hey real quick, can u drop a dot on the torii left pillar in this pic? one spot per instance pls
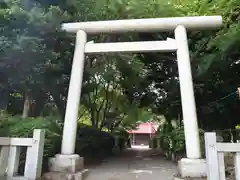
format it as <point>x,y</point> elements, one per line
<point>69,165</point>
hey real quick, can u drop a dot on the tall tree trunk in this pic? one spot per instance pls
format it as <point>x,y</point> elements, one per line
<point>4,97</point>
<point>26,105</point>
<point>40,98</point>
<point>97,118</point>
<point>58,101</point>
<point>92,115</point>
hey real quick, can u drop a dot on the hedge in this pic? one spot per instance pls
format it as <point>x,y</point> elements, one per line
<point>90,142</point>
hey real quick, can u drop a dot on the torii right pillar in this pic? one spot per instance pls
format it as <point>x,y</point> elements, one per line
<point>193,165</point>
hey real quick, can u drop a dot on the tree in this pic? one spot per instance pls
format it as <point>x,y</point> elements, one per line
<point>103,94</point>
<point>36,55</point>
<point>29,36</point>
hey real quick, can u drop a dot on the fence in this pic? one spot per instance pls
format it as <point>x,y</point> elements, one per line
<point>228,135</point>
<point>215,157</point>
<point>10,154</point>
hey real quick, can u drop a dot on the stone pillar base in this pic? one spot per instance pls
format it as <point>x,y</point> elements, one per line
<point>65,176</point>
<point>65,167</point>
<point>66,163</point>
<point>194,168</point>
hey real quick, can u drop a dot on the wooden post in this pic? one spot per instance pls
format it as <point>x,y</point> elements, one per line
<point>237,165</point>
<point>13,160</point>
<point>211,156</point>
<point>221,163</point>
<point>4,154</point>
<point>33,166</point>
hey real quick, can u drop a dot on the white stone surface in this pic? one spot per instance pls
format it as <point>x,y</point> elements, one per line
<point>212,160</point>
<point>34,156</point>
<point>131,47</point>
<point>13,160</point>
<point>187,95</point>
<point>215,157</point>
<point>74,92</point>
<point>144,25</point>
<point>10,152</point>
<point>4,154</point>
<point>195,168</point>
<point>65,176</point>
<point>15,178</point>
<point>66,163</point>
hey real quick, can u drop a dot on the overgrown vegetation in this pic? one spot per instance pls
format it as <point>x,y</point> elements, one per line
<point>171,140</point>
<point>91,143</point>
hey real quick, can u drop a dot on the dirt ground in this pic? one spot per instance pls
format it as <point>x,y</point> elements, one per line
<point>134,164</point>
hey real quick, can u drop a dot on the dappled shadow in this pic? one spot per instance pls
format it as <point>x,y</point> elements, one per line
<point>134,163</point>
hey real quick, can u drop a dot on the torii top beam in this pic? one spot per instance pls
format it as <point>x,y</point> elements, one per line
<point>145,25</point>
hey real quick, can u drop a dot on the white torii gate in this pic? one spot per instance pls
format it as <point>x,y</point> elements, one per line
<point>193,165</point>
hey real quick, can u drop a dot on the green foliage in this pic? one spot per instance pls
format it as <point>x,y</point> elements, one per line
<point>103,93</point>
<point>172,139</point>
<point>237,126</point>
<point>15,126</point>
<point>35,55</point>
<point>153,142</point>
<point>119,89</point>
<point>4,124</point>
<point>121,137</point>
<point>89,140</point>
<point>31,46</point>
<point>18,127</point>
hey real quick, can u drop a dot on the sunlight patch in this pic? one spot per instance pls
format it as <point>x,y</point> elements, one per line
<point>141,171</point>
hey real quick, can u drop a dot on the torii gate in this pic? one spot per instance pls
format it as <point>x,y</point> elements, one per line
<point>193,165</point>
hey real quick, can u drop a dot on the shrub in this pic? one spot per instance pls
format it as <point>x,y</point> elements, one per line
<point>173,142</point>
<point>90,142</point>
<point>122,138</point>
<point>153,142</point>
<point>4,124</point>
<point>15,126</point>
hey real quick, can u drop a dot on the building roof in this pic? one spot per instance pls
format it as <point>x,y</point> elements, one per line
<point>144,128</point>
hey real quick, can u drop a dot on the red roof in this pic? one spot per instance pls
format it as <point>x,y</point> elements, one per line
<point>144,128</point>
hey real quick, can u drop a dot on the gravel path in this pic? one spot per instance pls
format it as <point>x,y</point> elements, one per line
<point>134,164</point>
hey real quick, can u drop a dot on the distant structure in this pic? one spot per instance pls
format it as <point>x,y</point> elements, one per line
<point>143,133</point>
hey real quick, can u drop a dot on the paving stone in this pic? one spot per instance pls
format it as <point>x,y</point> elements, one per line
<point>134,164</point>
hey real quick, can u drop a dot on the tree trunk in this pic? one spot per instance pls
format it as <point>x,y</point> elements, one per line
<point>58,101</point>
<point>40,98</point>
<point>4,96</point>
<point>92,115</point>
<point>97,118</point>
<point>26,106</point>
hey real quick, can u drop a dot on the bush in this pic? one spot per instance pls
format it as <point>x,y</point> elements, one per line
<point>153,142</point>
<point>122,138</point>
<point>173,142</point>
<point>90,142</point>
<point>4,131</point>
<point>15,126</point>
